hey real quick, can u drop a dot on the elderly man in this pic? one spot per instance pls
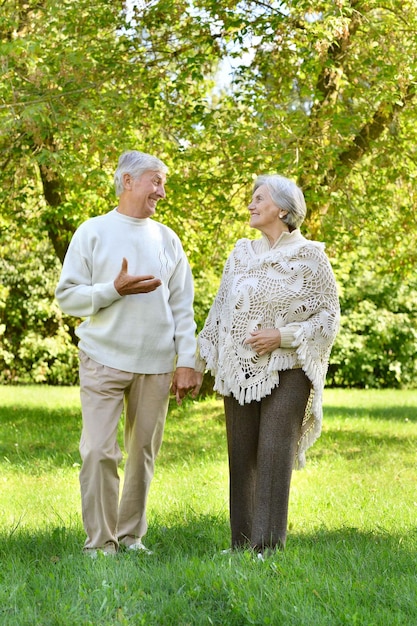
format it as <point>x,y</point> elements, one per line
<point>129,277</point>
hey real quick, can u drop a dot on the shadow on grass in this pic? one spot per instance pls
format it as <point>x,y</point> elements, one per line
<point>45,575</point>
<point>196,535</point>
<point>205,536</point>
<point>36,434</point>
<point>354,444</point>
<point>31,437</point>
<point>390,413</point>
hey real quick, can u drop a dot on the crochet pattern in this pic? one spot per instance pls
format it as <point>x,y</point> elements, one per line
<point>288,286</point>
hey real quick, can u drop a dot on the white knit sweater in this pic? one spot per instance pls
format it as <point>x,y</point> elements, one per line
<point>291,287</point>
<point>148,333</point>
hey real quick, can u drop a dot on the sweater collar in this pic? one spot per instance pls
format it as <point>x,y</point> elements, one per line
<point>133,221</point>
<point>284,240</point>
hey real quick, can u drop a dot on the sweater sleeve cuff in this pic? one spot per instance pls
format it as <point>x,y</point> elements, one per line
<point>104,294</point>
<point>288,334</point>
<point>185,361</point>
<point>200,364</point>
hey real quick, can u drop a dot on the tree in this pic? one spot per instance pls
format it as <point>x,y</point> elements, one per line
<point>323,92</point>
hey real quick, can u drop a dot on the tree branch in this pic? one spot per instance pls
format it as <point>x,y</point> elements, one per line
<point>369,132</point>
<point>327,81</point>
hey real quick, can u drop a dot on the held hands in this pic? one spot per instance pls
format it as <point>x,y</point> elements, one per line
<point>265,340</point>
<point>186,379</point>
<point>125,284</point>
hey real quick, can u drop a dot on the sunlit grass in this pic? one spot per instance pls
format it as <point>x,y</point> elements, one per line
<point>351,554</point>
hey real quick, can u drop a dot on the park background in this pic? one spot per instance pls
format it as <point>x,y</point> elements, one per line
<point>323,92</point>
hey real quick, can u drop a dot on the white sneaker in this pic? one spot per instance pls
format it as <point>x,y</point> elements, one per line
<point>139,547</point>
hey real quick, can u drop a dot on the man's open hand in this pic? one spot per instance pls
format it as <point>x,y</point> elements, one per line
<point>125,284</point>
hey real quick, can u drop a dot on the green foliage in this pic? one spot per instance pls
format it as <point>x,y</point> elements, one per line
<point>35,345</point>
<point>324,94</point>
<point>375,348</point>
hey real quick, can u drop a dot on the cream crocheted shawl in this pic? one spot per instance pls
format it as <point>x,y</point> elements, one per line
<point>290,286</point>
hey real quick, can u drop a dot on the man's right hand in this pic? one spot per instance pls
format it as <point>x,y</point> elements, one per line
<point>125,284</point>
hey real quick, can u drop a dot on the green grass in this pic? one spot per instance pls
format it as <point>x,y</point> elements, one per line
<point>351,556</point>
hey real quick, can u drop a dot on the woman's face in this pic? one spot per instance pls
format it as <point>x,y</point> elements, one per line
<point>264,213</point>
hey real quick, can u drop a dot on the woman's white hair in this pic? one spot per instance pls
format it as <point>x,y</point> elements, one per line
<point>287,196</point>
<point>136,163</point>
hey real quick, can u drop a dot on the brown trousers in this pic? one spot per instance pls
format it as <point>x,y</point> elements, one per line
<point>262,442</point>
<point>104,393</point>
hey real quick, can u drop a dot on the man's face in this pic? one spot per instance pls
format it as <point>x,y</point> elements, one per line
<point>144,192</point>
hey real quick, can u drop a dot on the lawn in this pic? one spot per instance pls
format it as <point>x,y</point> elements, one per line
<point>351,556</point>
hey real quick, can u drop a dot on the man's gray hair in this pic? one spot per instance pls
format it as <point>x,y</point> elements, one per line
<point>287,196</point>
<point>136,163</point>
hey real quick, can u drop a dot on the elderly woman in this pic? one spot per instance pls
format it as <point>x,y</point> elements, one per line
<point>267,342</point>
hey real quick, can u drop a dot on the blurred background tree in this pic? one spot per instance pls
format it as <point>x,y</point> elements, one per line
<point>323,92</point>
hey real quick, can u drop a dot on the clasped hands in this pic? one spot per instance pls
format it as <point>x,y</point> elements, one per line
<point>186,380</point>
<point>265,340</point>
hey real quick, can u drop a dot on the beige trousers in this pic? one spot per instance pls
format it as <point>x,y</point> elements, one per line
<point>104,393</point>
